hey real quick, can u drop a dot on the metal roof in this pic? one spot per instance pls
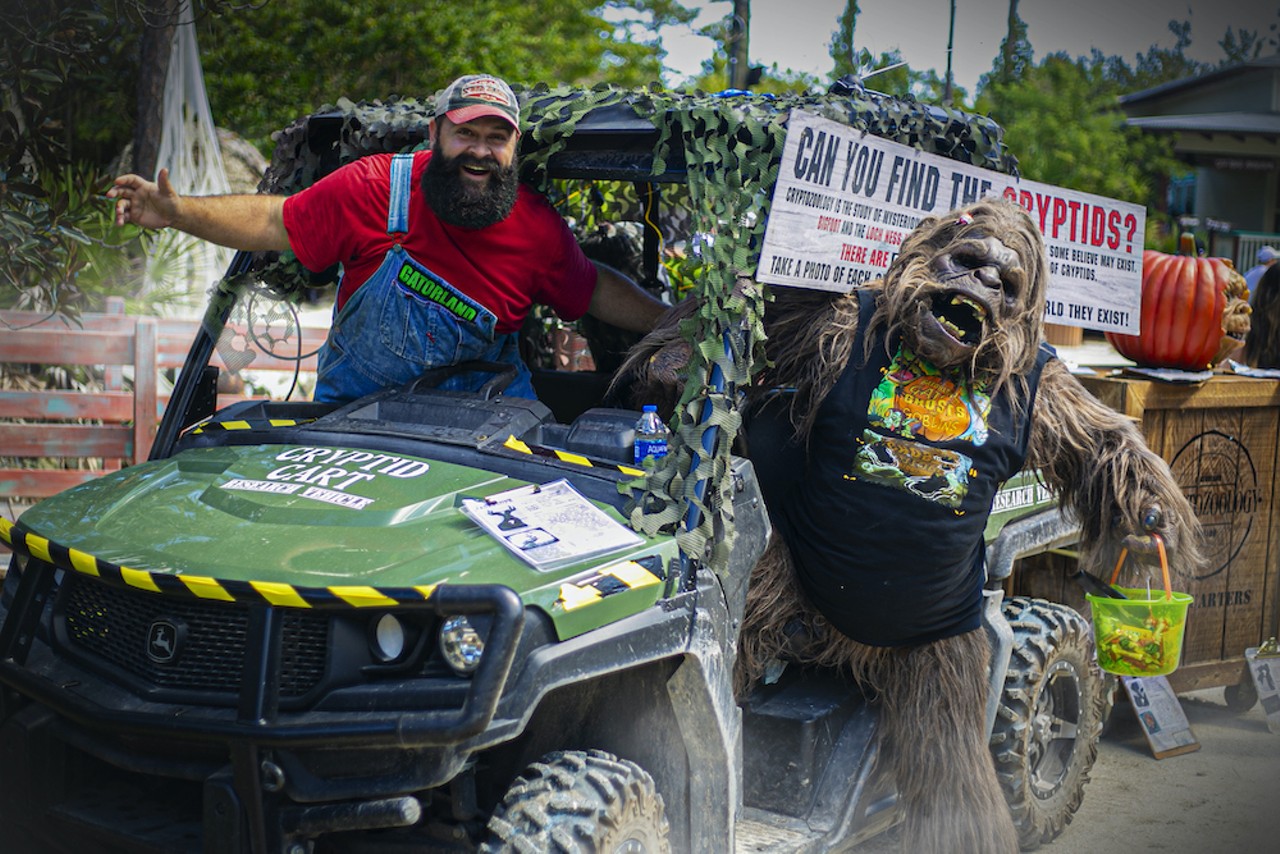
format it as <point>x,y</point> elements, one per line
<point>1134,98</point>
<point>1211,123</point>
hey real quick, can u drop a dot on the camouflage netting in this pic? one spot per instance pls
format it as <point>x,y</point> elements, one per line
<point>731,147</point>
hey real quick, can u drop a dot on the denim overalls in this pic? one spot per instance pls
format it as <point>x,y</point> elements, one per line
<point>405,320</point>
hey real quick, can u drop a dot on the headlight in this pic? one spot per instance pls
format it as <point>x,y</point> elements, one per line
<point>387,639</point>
<point>461,645</point>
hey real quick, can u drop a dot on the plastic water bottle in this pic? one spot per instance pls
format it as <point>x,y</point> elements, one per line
<point>651,435</point>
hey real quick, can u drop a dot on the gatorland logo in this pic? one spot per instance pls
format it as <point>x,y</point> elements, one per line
<point>1217,474</point>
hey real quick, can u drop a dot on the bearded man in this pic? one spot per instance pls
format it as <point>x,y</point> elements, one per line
<point>443,252</point>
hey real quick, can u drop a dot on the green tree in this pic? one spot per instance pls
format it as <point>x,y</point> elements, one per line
<point>1065,127</point>
<point>714,74</point>
<point>48,213</point>
<point>888,72</point>
<point>1015,51</point>
<point>714,77</point>
<point>843,42</point>
<point>264,67</point>
<point>1156,66</point>
<point>1062,117</point>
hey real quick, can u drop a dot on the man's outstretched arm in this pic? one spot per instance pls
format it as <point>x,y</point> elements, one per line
<point>249,222</point>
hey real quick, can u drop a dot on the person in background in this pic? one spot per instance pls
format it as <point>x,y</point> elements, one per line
<point>1267,256</point>
<point>1262,346</point>
<point>443,252</point>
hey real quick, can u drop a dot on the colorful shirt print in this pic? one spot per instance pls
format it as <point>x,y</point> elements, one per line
<point>919,405</point>
<point>917,401</point>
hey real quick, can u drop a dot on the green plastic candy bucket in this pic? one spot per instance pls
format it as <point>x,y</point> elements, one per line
<point>1142,634</point>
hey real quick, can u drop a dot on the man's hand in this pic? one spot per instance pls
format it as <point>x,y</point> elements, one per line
<point>249,222</point>
<point>149,204</point>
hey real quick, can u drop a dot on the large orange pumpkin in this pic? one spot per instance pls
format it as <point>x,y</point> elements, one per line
<point>1185,307</point>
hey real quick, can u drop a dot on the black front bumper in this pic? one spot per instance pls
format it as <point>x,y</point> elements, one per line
<point>81,750</point>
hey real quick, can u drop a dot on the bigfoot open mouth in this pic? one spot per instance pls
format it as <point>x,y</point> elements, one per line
<point>960,316</point>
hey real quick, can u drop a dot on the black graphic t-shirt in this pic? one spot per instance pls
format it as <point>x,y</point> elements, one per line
<point>886,523</point>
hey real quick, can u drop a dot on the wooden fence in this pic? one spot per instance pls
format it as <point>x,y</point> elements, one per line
<point>112,425</point>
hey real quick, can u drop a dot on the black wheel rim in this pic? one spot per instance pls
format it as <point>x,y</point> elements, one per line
<point>1055,725</point>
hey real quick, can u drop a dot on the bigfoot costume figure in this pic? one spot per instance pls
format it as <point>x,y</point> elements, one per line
<point>880,432</point>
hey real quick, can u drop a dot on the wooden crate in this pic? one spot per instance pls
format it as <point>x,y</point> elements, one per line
<point>1222,440</point>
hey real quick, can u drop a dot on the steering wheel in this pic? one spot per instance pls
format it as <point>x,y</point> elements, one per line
<point>504,374</point>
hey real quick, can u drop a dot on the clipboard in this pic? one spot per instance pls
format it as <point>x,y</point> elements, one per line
<point>1264,668</point>
<point>1163,721</point>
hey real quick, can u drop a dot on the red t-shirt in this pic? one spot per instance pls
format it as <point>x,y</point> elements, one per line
<point>530,257</point>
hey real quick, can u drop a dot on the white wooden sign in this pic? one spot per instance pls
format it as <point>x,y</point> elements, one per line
<point>845,200</point>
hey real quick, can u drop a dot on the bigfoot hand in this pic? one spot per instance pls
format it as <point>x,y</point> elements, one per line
<point>1152,525</point>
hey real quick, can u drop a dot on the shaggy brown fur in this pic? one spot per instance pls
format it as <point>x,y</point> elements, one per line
<point>1262,347</point>
<point>933,707</point>
<point>934,695</point>
<point>1096,461</point>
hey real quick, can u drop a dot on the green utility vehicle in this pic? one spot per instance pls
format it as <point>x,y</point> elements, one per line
<point>285,634</point>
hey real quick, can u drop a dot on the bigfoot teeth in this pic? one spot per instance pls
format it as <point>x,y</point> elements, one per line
<point>960,316</point>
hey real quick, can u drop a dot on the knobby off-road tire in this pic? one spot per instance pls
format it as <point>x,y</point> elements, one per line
<point>580,801</point>
<point>1045,738</point>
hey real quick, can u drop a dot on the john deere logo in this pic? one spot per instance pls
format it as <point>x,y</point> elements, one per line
<point>163,640</point>
<point>1218,477</point>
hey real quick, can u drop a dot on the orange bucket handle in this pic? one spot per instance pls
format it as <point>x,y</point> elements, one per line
<point>1164,565</point>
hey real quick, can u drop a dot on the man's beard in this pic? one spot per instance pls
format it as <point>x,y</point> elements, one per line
<point>458,201</point>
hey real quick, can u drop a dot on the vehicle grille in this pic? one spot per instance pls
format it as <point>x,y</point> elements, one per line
<point>112,624</point>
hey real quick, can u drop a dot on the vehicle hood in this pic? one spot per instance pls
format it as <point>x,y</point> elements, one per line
<point>298,516</point>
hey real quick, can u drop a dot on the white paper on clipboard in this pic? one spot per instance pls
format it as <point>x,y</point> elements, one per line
<point>1265,670</point>
<point>549,525</point>
<point>1163,721</point>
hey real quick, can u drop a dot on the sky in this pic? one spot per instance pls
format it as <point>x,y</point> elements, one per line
<point>796,34</point>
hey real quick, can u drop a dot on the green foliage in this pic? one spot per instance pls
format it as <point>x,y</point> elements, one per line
<point>901,80</point>
<point>773,81</point>
<point>59,74</point>
<point>1063,119</point>
<point>46,208</point>
<point>68,81</point>
<point>266,66</point>
<point>888,72</point>
<point>1068,130</point>
<point>1015,54</point>
<point>842,42</point>
<point>1158,65</point>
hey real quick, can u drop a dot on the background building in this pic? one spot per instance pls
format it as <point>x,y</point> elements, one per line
<point>1225,124</point>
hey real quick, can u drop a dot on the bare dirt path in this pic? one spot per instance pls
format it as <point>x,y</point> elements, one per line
<point>1225,797</point>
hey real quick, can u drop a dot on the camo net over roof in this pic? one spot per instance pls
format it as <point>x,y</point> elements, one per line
<point>731,146</point>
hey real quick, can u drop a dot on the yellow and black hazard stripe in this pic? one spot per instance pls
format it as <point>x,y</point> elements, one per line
<point>227,426</point>
<point>514,444</point>
<point>210,589</point>
<point>591,587</point>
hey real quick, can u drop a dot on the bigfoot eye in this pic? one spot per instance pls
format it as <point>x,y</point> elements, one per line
<point>984,267</point>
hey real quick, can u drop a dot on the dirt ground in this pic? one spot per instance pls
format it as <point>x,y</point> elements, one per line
<point>1225,797</point>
